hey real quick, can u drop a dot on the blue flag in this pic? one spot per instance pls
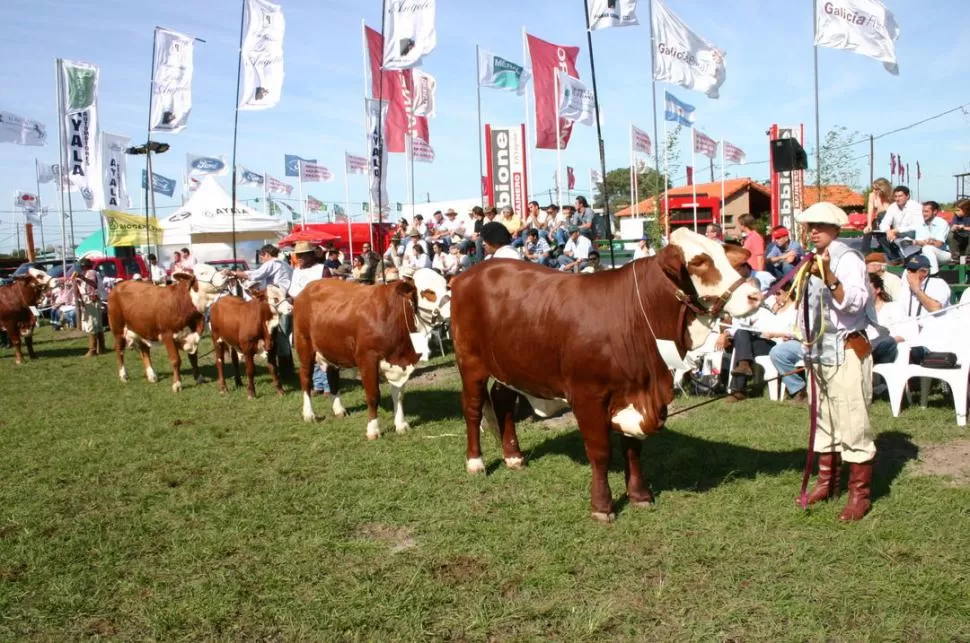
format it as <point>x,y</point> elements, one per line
<point>293,166</point>
<point>677,111</point>
<point>247,177</point>
<point>160,184</point>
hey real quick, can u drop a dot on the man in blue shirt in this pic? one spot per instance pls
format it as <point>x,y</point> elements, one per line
<point>931,237</point>
<point>783,254</point>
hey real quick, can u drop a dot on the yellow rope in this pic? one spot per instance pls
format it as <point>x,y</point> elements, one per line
<point>798,290</point>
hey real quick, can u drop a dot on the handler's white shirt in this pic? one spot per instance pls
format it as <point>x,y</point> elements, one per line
<point>302,277</point>
<point>505,252</point>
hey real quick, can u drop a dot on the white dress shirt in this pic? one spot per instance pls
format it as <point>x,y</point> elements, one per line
<point>505,252</point>
<point>272,273</point>
<point>906,219</point>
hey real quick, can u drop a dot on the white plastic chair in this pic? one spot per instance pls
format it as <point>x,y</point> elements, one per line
<point>896,375</point>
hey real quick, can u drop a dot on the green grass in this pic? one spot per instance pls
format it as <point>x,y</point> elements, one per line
<point>128,510</point>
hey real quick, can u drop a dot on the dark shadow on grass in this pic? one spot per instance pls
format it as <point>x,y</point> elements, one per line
<point>893,450</point>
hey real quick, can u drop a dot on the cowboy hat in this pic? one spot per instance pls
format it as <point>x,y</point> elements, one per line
<point>823,212</point>
<point>302,247</point>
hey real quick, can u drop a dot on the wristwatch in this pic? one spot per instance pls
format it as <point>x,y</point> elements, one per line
<point>834,285</point>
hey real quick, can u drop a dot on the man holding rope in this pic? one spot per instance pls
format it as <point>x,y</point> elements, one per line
<point>841,362</point>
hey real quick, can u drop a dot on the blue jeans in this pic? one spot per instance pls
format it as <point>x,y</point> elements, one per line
<point>60,318</point>
<point>884,350</point>
<point>784,356</point>
<point>320,382</point>
<point>561,235</point>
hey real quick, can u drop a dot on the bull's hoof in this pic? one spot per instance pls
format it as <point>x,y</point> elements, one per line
<point>402,428</point>
<point>223,390</point>
<point>123,374</point>
<point>474,466</point>
<point>279,392</point>
<point>309,417</point>
<point>151,376</point>
<point>373,436</point>
<point>603,517</point>
<point>250,396</point>
<point>18,362</point>
<point>373,430</point>
<point>176,387</point>
<point>515,464</point>
<point>642,504</point>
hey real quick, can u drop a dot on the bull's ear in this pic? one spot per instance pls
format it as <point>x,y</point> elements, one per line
<point>671,260</point>
<point>737,255</point>
<point>405,288</point>
<point>258,294</point>
<point>702,267</point>
<point>190,281</point>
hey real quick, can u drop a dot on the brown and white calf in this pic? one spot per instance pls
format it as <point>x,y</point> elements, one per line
<point>141,313</point>
<point>246,327</point>
<point>16,318</point>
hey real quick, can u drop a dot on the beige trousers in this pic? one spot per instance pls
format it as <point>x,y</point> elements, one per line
<point>844,396</point>
<point>91,318</point>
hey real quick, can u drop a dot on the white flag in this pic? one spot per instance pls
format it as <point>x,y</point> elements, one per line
<point>206,165</point>
<point>45,172</point>
<point>273,184</point>
<point>409,34</point>
<point>378,163</point>
<point>424,93</point>
<point>684,58</point>
<point>22,131</point>
<point>866,27</point>
<point>79,109</point>
<point>612,13</point>
<point>171,81</point>
<point>262,55</point>
<point>640,140</point>
<point>356,164</point>
<point>115,192</point>
<point>575,100</point>
<point>421,151</point>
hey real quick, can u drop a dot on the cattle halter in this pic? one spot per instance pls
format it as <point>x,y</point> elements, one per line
<point>708,306</point>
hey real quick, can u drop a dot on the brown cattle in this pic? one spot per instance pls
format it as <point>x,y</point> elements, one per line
<point>340,324</point>
<point>16,318</point>
<point>246,327</point>
<point>141,313</point>
<point>589,340</point>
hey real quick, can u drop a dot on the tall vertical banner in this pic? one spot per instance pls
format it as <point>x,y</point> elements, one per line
<point>397,92</point>
<point>786,187</point>
<point>548,59</point>
<point>115,191</point>
<point>378,161</point>
<point>171,81</point>
<point>262,55</point>
<point>410,33</point>
<point>79,109</point>
<point>505,149</point>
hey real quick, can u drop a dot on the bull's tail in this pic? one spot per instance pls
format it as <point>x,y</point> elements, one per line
<point>489,418</point>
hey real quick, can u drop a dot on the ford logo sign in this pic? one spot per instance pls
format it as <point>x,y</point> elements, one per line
<point>208,165</point>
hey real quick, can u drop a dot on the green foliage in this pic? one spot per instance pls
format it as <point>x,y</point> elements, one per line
<point>839,164</point>
<point>132,512</point>
<point>649,181</point>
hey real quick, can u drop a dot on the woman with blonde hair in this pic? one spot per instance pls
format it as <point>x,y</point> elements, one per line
<point>880,198</point>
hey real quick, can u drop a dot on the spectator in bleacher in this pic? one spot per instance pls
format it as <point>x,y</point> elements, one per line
<point>752,241</point>
<point>931,236</point>
<point>474,233</point>
<point>454,228</point>
<point>155,271</point>
<point>536,249</point>
<point>584,218</point>
<point>188,260</point>
<point>511,221</point>
<point>419,258</point>
<point>783,254</point>
<point>593,263</point>
<point>959,239</point>
<point>891,323</point>
<point>922,294</point>
<point>437,231</point>
<point>491,214</point>
<point>414,239</point>
<point>714,232</point>
<point>575,253</point>
<point>332,262</point>
<point>63,310</point>
<point>558,225</point>
<point>900,222</point>
<point>497,241</point>
<point>785,356</point>
<point>464,257</point>
<point>419,226</point>
<point>764,279</point>
<point>880,198</point>
<point>643,248</point>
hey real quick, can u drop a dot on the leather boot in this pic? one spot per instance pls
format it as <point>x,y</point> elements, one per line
<point>860,477</point>
<point>101,348</point>
<point>92,346</point>
<point>829,477</point>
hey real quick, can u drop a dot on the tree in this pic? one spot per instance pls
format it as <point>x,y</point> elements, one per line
<point>838,164</point>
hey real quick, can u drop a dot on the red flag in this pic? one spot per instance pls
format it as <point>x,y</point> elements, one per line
<point>909,177</point>
<point>547,59</point>
<point>900,170</point>
<point>919,172</point>
<point>570,178</point>
<point>892,165</point>
<point>484,186</point>
<point>690,175</point>
<point>398,91</point>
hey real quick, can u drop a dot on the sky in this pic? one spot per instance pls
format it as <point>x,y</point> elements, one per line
<point>768,46</point>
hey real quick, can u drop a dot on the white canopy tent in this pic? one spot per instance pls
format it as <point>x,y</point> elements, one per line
<point>205,224</point>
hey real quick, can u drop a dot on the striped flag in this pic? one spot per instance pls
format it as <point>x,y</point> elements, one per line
<point>314,173</point>
<point>678,111</point>
<point>275,185</point>
<point>704,144</point>
<point>355,164</point>
<point>641,140</point>
<point>732,153</point>
<point>313,204</point>
<point>421,151</point>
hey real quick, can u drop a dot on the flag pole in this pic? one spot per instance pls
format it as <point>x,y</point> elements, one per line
<point>40,208</point>
<point>666,203</point>
<point>693,165</point>
<point>530,143</point>
<point>555,83</point>
<point>350,237</point>
<point>633,198</point>
<point>409,156</point>
<point>61,157</point>
<point>478,90</point>
<point>653,90</point>
<point>380,143</point>
<point>818,136</point>
<point>235,126</point>
<point>265,193</point>
<point>299,169</point>
<point>370,204</point>
<point>149,180</point>
<point>599,135</point>
<point>721,217</point>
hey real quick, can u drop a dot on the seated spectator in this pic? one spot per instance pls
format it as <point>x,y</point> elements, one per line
<point>419,227</point>
<point>752,241</point>
<point>419,258</point>
<point>922,294</point>
<point>959,239</point>
<point>593,263</point>
<point>931,235</point>
<point>643,249</point>
<point>332,262</point>
<point>583,217</point>
<point>902,218</point>
<point>783,254</point>
<point>511,221</point>
<point>785,356</point>
<point>763,278</point>
<point>64,309</point>
<point>714,232</point>
<point>891,324</point>
<point>536,249</point>
<point>359,270</point>
<point>575,253</point>
<point>497,241</point>
<point>438,257</point>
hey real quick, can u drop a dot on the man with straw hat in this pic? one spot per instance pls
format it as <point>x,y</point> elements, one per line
<point>308,269</point>
<point>840,355</point>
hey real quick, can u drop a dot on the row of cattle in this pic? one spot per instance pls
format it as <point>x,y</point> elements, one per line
<point>589,341</point>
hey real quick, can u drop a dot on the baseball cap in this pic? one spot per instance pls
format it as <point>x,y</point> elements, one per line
<point>918,262</point>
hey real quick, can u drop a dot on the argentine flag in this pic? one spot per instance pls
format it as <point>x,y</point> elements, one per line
<point>677,111</point>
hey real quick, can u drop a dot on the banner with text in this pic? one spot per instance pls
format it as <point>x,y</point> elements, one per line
<point>506,154</point>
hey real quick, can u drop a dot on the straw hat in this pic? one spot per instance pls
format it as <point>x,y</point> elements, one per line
<point>823,212</point>
<point>302,247</point>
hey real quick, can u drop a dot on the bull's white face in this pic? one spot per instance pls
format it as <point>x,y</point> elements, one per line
<point>433,297</point>
<point>275,297</point>
<point>712,273</point>
<point>41,277</point>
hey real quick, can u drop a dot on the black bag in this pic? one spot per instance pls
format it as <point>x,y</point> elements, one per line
<point>939,360</point>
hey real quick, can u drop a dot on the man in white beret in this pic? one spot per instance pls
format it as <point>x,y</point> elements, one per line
<point>842,363</point>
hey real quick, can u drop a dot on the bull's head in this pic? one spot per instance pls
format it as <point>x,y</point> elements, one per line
<point>36,281</point>
<point>713,273</point>
<point>434,300</point>
<point>202,296</point>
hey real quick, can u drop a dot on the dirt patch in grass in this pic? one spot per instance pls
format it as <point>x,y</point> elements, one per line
<point>460,569</point>
<point>100,627</point>
<point>430,375</point>
<point>397,538</point>
<point>951,459</point>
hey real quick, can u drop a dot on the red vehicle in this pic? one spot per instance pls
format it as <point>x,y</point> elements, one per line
<point>121,267</point>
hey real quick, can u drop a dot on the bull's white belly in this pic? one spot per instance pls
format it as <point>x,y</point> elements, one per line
<point>187,340</point>
<point>543,407</point>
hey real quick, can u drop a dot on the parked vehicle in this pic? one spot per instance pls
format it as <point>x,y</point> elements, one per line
<point>114,268</point>
<point>229,264</point>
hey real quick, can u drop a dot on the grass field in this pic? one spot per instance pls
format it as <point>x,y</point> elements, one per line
<point>126,510</point>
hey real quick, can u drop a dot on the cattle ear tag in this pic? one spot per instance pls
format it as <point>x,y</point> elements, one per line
<point>670,354</point>
<point>420,343</point>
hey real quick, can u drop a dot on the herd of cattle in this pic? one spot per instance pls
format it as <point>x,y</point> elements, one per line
<point>589,341</point>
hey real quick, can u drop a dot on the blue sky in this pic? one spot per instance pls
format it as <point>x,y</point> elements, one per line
<point>769,80</point>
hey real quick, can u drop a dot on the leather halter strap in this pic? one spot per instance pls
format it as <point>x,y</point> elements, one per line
<point>708,306</point>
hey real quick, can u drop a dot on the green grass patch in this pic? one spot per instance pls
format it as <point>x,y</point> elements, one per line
<point>128,510</point>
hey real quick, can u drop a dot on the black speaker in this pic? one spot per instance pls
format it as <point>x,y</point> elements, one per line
<point>787,155</point>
